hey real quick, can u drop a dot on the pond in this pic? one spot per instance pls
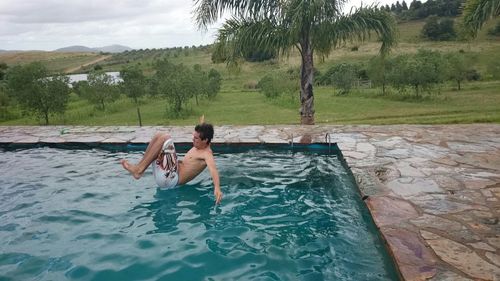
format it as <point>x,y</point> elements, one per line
<point>83,77</point>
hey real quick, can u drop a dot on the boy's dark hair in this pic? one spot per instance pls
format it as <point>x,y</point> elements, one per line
<point>206,131</point>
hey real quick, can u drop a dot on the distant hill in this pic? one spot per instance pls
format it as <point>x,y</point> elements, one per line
<point>114,49</point>
<point>107,49</point>
<point>76,49</point>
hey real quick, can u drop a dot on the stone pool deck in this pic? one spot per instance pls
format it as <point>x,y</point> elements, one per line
<point>433,191</point>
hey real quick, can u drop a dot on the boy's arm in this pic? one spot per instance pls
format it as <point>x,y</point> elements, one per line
<point>212,168</point>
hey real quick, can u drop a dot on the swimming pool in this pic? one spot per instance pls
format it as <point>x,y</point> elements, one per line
<point>75,214</point>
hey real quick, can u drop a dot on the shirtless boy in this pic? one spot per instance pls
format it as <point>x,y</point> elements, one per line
<point>168,171</point>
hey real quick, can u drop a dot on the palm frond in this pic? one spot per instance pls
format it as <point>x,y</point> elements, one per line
<point>357,25</point>
<point>242,35</point>
<point>207,12</point>
<point>477,12</point>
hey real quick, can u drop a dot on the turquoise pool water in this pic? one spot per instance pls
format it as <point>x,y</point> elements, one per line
<point>75,214</point>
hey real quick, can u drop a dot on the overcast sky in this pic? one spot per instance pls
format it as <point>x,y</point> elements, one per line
<point>52,24</point>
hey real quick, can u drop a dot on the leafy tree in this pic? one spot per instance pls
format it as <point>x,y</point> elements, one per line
<point>199,85</point>
<point>100,89</point>
<point>342,76</point>
<point>415,4</point>
<point>79,86</point>
<point>275,85</point>
<point>442,8</point>
<point>214,83</point>
<point>431,28</point>
<point>4,102</point>
<point>458,67</point>
<point>477,12</point>
<point>4,97</point>
<point>378,71</point>
<point>422,71</point>
<point>436,28</point>
<point>134,86</point>
<point>3,70</point>
<point>173,82</point>
<point>36,92</point>
<point>310,26</point>
<point>404,6</point>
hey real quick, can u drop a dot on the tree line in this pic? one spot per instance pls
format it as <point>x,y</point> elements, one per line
<point>41,94</point>
<point>421,10</point>
<point>419,73</point>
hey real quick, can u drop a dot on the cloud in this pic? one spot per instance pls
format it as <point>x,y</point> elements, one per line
<point>52,24</point>
<point>77,11</point>
<point>59,23</point>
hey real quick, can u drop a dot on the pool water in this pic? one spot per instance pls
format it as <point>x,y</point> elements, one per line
<point>76,214</point>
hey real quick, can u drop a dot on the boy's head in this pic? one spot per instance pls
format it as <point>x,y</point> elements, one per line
<point>206,131</point>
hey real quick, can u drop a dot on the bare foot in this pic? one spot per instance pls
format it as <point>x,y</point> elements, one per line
<point>131,168</point>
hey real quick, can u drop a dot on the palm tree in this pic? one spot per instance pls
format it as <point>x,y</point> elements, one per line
<point>477,12</point>
<point>280,25</point>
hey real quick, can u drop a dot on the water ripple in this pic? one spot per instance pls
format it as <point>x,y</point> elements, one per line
<point>285,216</point>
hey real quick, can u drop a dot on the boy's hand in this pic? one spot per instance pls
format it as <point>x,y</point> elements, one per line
<point>218,195</point>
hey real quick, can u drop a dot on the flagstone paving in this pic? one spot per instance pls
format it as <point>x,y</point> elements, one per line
<point>433,191</point>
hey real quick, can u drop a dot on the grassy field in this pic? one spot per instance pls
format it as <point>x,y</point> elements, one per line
<point>476,102</point>
<point>54,61</point>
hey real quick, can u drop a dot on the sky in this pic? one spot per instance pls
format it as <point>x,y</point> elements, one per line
<point>51,24</point>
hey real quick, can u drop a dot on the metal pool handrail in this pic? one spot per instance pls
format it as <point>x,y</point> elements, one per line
<point>329,140</point>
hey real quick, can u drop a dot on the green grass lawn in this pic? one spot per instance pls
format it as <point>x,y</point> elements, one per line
<point>477,102</point>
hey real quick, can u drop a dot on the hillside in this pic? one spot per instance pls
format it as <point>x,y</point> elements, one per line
<point>76,48</point>
<point>409,41</point>
<point>106,49</point>
<point>239,103</point>
<point>55,61</point>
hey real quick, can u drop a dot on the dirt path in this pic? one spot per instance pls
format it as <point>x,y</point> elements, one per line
<point>73,69</point>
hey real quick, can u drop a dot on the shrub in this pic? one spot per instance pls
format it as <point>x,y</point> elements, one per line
<point>269,86</point>
<point>439,29</point>
<point>259,55</point>
<point>495,31</point>
<point>422,71</point>
<point>273,86</point>
<point>250,85</point>
<point>342,76</point>
<point>472,75</point>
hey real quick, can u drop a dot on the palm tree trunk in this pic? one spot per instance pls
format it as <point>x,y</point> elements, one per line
<point>306,85</point>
